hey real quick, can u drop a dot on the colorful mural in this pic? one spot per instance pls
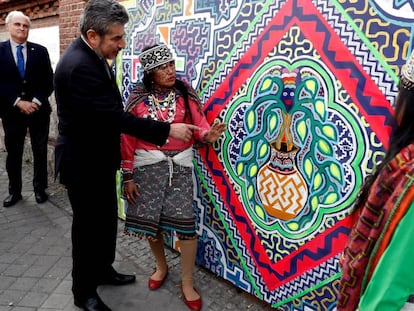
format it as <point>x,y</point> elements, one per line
<point>307,89</point>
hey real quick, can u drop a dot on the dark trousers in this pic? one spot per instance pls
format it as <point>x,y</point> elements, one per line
<point>15,130</point>
<point>94,230</point>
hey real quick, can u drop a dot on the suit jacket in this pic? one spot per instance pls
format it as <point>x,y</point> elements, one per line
<point>38,80</point>
<point>92,117</point>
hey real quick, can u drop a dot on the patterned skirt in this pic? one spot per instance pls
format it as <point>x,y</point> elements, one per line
<point>161,205</point>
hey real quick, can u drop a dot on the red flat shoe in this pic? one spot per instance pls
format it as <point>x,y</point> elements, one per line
<point>154,284</point>
<point>194,305</point>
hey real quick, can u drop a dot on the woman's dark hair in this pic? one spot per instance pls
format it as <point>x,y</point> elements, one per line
<point>401,136</point>
<point>179,85</point>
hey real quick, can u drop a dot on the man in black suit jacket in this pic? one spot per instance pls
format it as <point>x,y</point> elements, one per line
<point>91,119</point>
<point>24,105</point>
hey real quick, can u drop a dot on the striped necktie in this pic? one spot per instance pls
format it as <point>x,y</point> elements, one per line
<point>20,60</point>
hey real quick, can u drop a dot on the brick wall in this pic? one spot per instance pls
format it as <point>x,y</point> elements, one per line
<point>69,15</point>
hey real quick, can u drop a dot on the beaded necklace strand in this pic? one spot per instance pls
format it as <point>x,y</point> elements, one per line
<point>157,107</point>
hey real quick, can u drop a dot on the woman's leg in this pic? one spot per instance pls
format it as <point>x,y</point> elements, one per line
<point>188,250</point>
<point>157,248</point>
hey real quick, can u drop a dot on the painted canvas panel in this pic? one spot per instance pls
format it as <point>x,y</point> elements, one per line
<point>307,90</point>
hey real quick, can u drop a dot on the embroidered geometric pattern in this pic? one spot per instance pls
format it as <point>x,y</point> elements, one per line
<point>155,57</point>
<point>300,74</point>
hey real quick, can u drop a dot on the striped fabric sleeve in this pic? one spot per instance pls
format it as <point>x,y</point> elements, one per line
<point>392,281</point>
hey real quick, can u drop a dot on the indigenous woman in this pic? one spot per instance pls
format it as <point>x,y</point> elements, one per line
<point>378,261</point>
<point>158,182</point>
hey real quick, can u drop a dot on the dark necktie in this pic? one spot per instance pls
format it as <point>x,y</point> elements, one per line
<point>20,60</point>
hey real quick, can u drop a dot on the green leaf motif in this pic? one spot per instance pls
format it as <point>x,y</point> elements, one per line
<point>260,212</point>
<point>324,147</point>
<point>247,147</point>
<point>331,198</point>
<point>266,85</point>
<point>263,151</point>
<point>335,171</point>
<point>320,108</point>
<point>253,170</point>
<point>311,86</point>
<point>329,132</point>
<point>293,226</point>
<point>239,169</point>
<point>272,123</point>
<point>250,192</point>
<point>302,130</point>
<point>317,181</point>
<point>308,168</point>
<point>314,203</point>
<point>251,120</point>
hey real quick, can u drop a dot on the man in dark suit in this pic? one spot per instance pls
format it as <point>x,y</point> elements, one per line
<point>91,119</point>
<point>26,82</point>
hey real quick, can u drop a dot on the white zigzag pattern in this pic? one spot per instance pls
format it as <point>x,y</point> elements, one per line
<point>361,52</point>
<point>230,224</point>
<point>225,70</point>
<point>306,280</point>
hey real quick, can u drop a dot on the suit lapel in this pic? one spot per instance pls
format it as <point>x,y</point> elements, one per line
<point>9,57</point>
<point>30,55</point>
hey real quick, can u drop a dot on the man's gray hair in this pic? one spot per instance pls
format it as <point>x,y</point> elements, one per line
<point>12,14</point>
<point>100,15</point>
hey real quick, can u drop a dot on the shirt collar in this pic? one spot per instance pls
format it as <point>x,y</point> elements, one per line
<point>14,44</point>
<point>86,42</point>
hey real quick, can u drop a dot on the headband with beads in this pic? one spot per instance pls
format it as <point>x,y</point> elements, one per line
<point>154,57</point>
<point>407,76</point>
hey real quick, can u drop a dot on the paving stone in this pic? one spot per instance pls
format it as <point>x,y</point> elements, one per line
<point>46,285</point>
<point>35,247</point>
<point>36,271</point>
<point>6,281</point>
<point>8,257</point>
<point>33,299</point>
<point>24,283</point>
<point>57,301</point>
<point>11,297</point>
<point>15,270</point>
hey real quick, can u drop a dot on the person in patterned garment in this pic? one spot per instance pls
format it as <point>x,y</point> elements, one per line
<point>158,181</point>
<point>378,260</point>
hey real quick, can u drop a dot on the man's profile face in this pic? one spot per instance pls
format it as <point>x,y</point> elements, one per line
<point>113,42</point>
<point>19,29</point>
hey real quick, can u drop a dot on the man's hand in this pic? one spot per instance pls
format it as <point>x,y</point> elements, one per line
<point>27,107</point>
<point>183,131</point>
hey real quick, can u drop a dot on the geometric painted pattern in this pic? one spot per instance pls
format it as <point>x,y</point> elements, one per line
<point>307,89</point>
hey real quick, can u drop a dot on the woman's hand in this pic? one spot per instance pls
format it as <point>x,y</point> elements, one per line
<point>215,131</point>
<point>131,191</point>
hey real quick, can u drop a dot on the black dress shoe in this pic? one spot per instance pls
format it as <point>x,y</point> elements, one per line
<point>41,196</point>
<point>92,304</point>
<point>12,199</point>
<point>118,279</point>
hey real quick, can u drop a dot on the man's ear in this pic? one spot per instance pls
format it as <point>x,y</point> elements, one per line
<point>93,38</point>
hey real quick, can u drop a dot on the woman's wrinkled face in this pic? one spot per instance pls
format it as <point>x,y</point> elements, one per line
<point>164,76</point>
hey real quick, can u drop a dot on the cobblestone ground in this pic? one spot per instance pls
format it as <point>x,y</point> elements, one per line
<point>221,294</point>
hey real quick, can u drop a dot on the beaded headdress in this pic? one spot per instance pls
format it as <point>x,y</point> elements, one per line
<point>154,57</point>
<point>407,77</point>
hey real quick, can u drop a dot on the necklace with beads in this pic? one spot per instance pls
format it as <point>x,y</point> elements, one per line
<point>157,107</point>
